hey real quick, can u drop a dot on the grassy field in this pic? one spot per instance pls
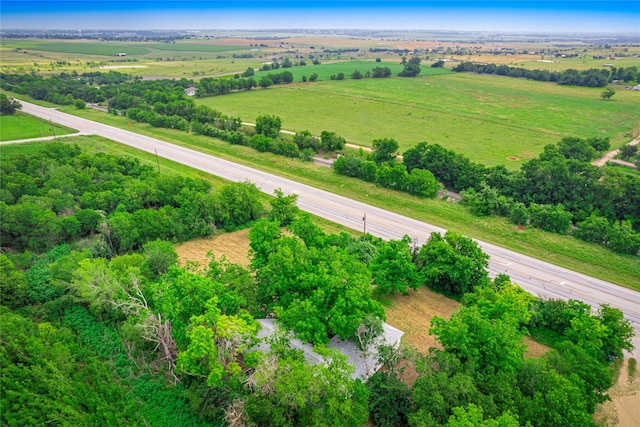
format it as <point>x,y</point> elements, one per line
<point>487,118</point>
<point>83,47</point>
<point>565,251</point>
<point>326,70</point>
<point>24,126</point>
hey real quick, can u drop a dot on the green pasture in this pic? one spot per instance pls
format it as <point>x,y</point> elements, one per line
<point>78,47</point>
<point>487,118</point>
<point>326,70</point>
<point>24,126</point>
<point>565,251</point>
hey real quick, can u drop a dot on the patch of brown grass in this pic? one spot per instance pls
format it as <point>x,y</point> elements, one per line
<point>534,348</point>
<point>234,246</point>
<point>413,313</point>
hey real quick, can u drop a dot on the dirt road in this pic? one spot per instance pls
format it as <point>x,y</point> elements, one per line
<point>611,154</point>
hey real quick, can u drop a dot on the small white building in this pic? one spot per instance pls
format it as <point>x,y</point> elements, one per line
<point>190,91</point>
<point>363,369</point>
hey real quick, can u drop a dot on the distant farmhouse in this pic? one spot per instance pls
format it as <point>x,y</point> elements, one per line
<point>363,368</point>
<point>190,91</point>
<point>121,54</point>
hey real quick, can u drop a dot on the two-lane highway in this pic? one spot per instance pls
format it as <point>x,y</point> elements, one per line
<point>538,277</point>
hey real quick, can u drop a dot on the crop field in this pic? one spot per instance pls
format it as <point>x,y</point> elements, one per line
<point>24,126</point>
<point>487,118</point>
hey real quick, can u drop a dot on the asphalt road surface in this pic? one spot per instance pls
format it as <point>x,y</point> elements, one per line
<point>537,277</point>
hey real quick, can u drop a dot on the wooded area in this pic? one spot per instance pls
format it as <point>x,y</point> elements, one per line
<point>101,326</point>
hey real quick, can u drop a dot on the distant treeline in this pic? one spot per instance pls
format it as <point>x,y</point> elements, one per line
<point>593,77</point>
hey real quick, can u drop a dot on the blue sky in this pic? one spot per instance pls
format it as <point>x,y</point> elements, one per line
<point>514,15</point>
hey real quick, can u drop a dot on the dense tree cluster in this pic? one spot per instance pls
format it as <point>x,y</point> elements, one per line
<point>61,194</point>
<point>594,77</point>
<point>411,67</point>
<point>64,88</point>
<point>139,340</point>
<point>560,191</point>
<point>480,376</point>
<point>387,173</point>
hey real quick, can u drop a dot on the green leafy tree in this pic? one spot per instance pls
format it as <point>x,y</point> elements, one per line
<point>384,150</point>
<point>283,208</point>
<point>392,268</point>
<point>330,141</point>
<point>627,151</point>
<point>160,256</point>
<point>577,148</point>
<point>392,176</point>
<point>607,93</point>
<point>8,106</point>
<point>411,67</point>
<point>389,400</point>
<point>623,239</point>
<point>519,214</point>
<point>268,126</point>
<point>554,218</point>
<point>549,398</point>
<point>249,72</point>
<point>594,229</point>
<point>13,286</point>
<point>452,264</point>
<point>264,238</point>
<point>473,416</point>
<point>292,392</point>
<point>216,345</point>
<point>80,104</point>
<point>237,204</point>
<point>488,345</point>
<point>304,139</point>
<point>421,182</point>
<point>619,332</point>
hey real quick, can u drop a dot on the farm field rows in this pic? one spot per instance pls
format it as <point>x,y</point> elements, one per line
<point>487,118</point>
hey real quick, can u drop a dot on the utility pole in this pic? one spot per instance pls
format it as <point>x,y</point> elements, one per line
<point>157,160</point>
<point>53,129</point>
<point>364,219</point>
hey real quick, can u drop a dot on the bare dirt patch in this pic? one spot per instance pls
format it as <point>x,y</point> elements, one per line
<point>513,158</point>
<point>234,246</point>
<point>624,408</point>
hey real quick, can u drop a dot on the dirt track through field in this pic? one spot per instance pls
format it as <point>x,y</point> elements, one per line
<point>611,154</point>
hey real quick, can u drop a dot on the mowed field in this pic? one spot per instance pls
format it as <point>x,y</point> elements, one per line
<point>24,126</point>
<point>487,118</point>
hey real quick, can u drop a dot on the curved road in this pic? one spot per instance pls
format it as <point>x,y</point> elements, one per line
<point>537,277</point>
